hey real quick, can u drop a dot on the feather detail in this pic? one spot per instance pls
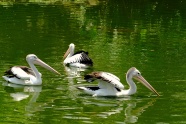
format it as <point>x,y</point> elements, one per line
<point>79,57</point>
<point>12,72</point>
<point>104,77</point>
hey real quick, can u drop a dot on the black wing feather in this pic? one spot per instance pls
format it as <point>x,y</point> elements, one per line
<point>85,59</point>
<point>10,74</point>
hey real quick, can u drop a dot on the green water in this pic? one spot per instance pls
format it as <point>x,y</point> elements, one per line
<point>149,35</point>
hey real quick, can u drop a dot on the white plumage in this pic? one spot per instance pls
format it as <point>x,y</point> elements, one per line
<point>78,59</point>
<point>110,85</point>
<point>27,76</point>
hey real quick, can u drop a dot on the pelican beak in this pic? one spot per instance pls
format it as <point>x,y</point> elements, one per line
<point>43,64</point>
<point>67,52</point>
<point>145,83</point>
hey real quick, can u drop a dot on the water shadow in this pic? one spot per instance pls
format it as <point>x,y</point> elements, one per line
<point>20,93</point>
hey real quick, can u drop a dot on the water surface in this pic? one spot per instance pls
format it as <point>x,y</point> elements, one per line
<point>148,35</point>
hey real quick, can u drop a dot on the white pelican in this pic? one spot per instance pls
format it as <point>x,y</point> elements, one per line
<point>110,85</point>
<point>79,59</point>
<point>27,76</point>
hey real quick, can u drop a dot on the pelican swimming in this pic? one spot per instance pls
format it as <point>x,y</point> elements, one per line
<point>78,59</point>
<point>110,85</point>
<point>27,76</point>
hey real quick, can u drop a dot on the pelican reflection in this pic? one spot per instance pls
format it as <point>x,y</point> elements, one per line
<point>132,108</point>
<point>73,72</point>
<point>21,92</point>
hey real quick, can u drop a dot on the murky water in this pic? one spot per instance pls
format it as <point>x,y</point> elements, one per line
<point>150,36</point>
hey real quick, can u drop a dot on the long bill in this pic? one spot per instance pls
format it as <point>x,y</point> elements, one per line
<point>146,84</point>
<point>67,52</point>
<point>43,64</point>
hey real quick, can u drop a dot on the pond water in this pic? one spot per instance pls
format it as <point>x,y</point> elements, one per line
<point>149,35</point>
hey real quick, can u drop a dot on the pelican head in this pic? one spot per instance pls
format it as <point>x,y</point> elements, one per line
<point>31,58</point>
<point>135,73</point>
<point>70,50</point>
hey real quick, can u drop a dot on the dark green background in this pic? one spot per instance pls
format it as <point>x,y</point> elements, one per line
<point>118,34</point>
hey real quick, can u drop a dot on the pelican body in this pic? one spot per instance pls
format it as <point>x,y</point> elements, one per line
<point>110,85</point>
<point>79,59</point>
<point>27,76</point>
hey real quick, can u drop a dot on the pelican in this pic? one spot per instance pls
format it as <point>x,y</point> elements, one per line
<point>110,85</point>
<point>79,59</point>
<point>27,76</point>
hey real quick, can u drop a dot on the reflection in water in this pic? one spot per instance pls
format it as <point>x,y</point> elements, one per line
<point>106,107</point>
<point>131,111</point>
<point>21,92</point>
<point>75,73</point>
<point>49,2</point>
<point>74,77</point>
<point>18,96</point>
<point>145,34</point>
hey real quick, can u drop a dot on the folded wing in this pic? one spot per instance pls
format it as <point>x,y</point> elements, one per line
<point>80,57</point>
<point>105,80</point>
<point>20,72</point>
